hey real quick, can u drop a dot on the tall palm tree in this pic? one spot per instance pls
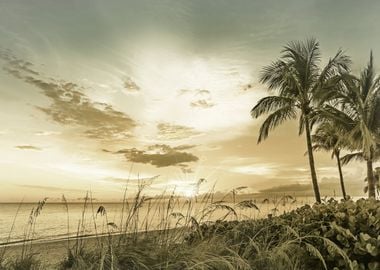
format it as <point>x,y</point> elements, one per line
<point>297,79</point>
<point>327,138</point>
<point>359,117</point>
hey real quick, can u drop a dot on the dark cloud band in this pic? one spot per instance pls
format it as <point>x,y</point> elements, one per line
<point>159,155</point>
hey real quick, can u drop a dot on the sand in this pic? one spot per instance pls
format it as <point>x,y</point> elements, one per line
<point>52,252</point>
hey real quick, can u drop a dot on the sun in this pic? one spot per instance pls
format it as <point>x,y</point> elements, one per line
<point>189,192</point>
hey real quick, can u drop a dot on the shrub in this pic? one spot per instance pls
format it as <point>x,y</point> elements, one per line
<point>346,233</point>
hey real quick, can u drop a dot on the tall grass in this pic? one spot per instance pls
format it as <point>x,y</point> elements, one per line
<point>3,251</point>
<point>26,259</point>
<point>153,234</point>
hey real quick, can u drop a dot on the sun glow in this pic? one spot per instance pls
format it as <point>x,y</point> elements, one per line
<point>189,193</point>
<point>190,84</point>
<point>181,188</point>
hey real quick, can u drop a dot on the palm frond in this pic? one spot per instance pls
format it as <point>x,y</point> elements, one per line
<point>320,147</point>
<point>269,104</point>
<point>342,121</point>
<point>304,57</point>
<point>367,77</point>
<point>351,157</point>
<point>275,75</point>
<point>275,119</point>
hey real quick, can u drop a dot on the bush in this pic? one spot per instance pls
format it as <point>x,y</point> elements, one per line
<point>345,234</point>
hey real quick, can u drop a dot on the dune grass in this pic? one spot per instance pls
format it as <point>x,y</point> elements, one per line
<point>202,233</point>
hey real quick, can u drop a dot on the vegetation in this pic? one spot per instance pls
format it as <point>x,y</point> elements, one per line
<point>332,99</point>
<point>331,235</point>
<point>376,175</point>
<point>201,233</point>
<point>358,117</point>
<point>300,84</point>
<point>328,138</point>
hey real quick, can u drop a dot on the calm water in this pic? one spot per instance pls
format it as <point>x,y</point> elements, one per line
<point>53,219</point>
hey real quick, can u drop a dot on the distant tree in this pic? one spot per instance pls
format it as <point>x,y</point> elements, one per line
<point>359,156</point>
<point>328,138</point>
<point>376,176</point>
<point>299,82</point>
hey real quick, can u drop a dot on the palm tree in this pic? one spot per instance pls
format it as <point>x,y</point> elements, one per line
<point>327,138</point>
<point>359,117</point>
<point>376,175</point>
<point>298,80</point>
<point>359,156</point>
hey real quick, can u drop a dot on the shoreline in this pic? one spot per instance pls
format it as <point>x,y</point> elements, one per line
<point>50,240</point>
<point>50,252</point>
<point>73,238</point>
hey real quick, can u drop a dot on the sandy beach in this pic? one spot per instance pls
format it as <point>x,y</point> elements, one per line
<point>50,252</point>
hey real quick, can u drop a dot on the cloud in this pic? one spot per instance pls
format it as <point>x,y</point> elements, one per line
<point>50,188</point>
<point>258,169</point>
<point>167,131</point>
<point>328,186</point>
<point>184,147</point>
<point>202,103</point>
<point>136,181</point>
<point>70,106</point>
<point>185,168</point>
<point>159,155</point>
<point>28,147</point>
<point>16,66</point>
<point>130,85</point>
<point>288,188</point>
<point>47,133</point>
<point>200,98</point>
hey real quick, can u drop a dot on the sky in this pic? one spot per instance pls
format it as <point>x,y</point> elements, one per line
<point>94,93</point>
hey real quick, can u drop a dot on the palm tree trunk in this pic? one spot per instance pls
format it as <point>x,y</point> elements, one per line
<point>340,175</point>
<point>311,160</point>
<point>371,180</point>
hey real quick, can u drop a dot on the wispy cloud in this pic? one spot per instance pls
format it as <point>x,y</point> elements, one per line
<point>50,188</point>
<point>185,168</point>
<point>28,147</point>
<point>167,131</point>
<point>202,103</point>
<point>288,188</point>
<point>46,133</point>
<point>200,98</point>
<point>256,169</point>
<point>130,85</point>
<point>132,180</point>
<point>70,106</point>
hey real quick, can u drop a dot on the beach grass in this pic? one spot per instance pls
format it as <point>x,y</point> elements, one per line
<point>204,233</point>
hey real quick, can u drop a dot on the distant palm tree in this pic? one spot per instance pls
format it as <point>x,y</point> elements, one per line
<point>359,156</point>
<point>376,175</point>
<point>298,81</point>
<point>359,117</point>
<point>328,138</point>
